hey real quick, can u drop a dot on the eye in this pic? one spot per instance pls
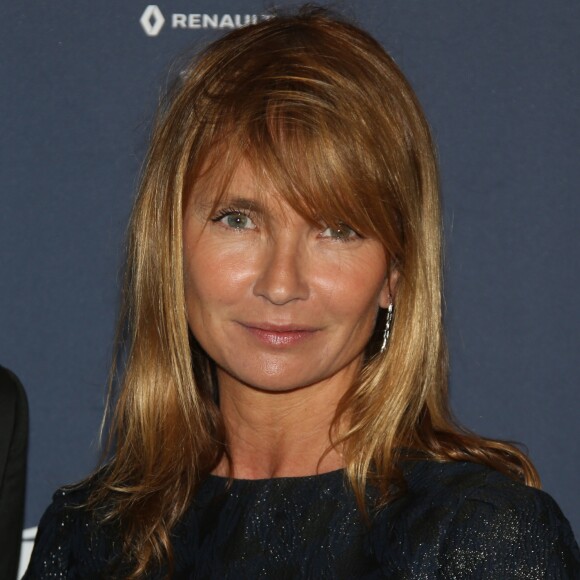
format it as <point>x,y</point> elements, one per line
<point>235,220</point>
<point>342,233</point>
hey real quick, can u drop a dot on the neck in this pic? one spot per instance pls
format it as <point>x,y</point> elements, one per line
<point>279,434</point>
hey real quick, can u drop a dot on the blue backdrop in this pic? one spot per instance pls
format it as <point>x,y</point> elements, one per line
<point>499,81</point>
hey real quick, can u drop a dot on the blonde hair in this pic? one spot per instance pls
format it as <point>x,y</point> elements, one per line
<point>323,114</point>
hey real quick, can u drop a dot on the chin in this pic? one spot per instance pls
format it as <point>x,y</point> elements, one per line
<point>272,380</point>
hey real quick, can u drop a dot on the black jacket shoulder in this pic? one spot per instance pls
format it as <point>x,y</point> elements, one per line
<point>13,450</point>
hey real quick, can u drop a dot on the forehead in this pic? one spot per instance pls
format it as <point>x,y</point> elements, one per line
<point>243,187</point>
<point>318,189</point>
<point>216,183</point>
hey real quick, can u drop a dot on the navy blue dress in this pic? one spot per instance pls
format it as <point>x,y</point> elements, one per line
<point>456,521</point>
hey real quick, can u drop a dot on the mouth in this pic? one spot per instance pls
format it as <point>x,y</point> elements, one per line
<point>279,335</point>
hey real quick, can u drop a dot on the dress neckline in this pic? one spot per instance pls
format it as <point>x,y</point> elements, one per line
<point>327,475</point>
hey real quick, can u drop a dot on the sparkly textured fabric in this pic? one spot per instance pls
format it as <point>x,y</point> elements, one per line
<point>456,521</point>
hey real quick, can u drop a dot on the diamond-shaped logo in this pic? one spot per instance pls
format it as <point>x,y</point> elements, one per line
<point>152,20</point>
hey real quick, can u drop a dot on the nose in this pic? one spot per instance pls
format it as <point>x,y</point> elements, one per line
<point>282,275</point>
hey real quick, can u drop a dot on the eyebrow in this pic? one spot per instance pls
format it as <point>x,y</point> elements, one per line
<point>253,205</point>
<point>237,202</point>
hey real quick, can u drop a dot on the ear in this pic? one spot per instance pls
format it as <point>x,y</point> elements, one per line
<point>389,289</point>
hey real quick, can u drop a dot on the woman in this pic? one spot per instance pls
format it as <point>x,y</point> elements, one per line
<point>275,417</point>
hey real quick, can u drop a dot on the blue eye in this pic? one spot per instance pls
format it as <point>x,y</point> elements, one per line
<point>343,233</point>
<point>236,220</point>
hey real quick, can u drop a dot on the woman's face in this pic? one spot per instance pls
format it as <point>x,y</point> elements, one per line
<point>275,301</point>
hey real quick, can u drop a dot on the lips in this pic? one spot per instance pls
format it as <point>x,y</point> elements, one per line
<point>279,335</point>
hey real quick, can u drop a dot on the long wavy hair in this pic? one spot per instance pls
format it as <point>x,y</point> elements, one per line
<point>323,113</point>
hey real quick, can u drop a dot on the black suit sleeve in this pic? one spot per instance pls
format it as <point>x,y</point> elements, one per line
<point>13,448</point>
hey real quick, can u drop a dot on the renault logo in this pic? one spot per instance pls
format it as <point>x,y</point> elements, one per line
<point>152,20</point>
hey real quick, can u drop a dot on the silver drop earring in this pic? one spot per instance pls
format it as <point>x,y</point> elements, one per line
<point>388,324</point>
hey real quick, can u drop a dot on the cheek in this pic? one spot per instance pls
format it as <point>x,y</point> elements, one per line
<point>354,286</point>
<point>214,275</point>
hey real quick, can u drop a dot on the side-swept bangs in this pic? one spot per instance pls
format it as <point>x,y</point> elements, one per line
<point>321,118</point>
